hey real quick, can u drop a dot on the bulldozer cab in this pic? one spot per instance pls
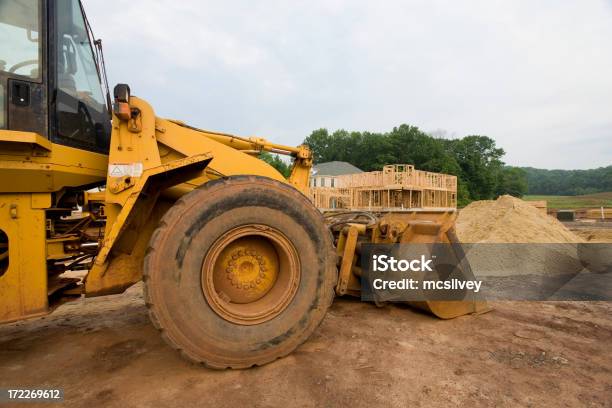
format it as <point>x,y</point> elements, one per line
<point>50,74</point>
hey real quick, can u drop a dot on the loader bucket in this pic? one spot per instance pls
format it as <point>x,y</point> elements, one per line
<point>415,226</point>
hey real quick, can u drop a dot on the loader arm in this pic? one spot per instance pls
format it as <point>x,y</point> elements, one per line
<point>302,163</point>
<point>152,159</point>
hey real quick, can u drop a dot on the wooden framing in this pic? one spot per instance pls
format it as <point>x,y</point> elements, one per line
<point>397,186</point>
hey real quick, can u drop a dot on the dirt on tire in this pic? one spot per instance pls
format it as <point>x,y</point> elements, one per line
<point>173,269</point>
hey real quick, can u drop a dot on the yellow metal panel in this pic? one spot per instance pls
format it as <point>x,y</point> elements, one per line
<point>41,200</point>
<point>34,139</point>
<point>23,287</point>
<point>25,169</point>
<point>55,249</point>
<point>123,269</point>
<point>91,196</point>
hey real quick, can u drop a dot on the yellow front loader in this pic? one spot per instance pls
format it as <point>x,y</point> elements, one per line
<point>238,266</point>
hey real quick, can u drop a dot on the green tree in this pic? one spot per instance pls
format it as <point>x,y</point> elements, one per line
<point>463,193</point>
<point>412,146</point>
<point>480,162</point>
<point>319,143</point>
<point>513,181</point>
<point>276,162</point>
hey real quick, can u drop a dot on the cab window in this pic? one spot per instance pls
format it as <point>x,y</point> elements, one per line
<point>19,45</point>
<point>82,118</point>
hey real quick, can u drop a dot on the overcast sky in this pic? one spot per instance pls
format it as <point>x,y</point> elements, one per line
<point>534,75</point>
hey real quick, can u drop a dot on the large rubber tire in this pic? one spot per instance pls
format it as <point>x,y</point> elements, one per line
<point>174,261</point>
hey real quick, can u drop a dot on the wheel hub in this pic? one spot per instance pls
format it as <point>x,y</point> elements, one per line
<point>251,267</point>
<point>250,274</point>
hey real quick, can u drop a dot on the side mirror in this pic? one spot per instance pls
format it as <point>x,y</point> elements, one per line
<point>121,107</point>
<point>122,93</point>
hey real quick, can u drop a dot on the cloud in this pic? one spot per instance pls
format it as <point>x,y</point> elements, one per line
<point>532,75</point>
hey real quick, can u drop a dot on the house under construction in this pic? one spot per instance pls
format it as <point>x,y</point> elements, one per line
<point>397,186</point>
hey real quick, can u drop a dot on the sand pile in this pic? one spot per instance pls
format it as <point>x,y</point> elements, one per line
<point>528,255</point>
<point>514,271</point>
<point>596,235</point>
<point>512,220</point>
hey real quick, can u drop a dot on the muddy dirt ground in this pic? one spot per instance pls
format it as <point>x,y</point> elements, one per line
<point>104,352</point>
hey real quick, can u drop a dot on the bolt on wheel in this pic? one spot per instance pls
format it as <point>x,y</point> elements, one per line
<point>250,274</point>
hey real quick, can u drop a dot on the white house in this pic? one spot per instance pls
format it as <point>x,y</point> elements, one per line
<point>325,174</point>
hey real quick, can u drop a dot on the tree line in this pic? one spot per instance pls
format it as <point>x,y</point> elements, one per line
<point>476,160</point>
<point>569,182</point>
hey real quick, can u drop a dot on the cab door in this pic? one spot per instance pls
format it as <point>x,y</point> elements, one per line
<point>23,96</point>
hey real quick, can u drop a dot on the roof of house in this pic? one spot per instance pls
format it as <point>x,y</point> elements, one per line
<point>334,168</point>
